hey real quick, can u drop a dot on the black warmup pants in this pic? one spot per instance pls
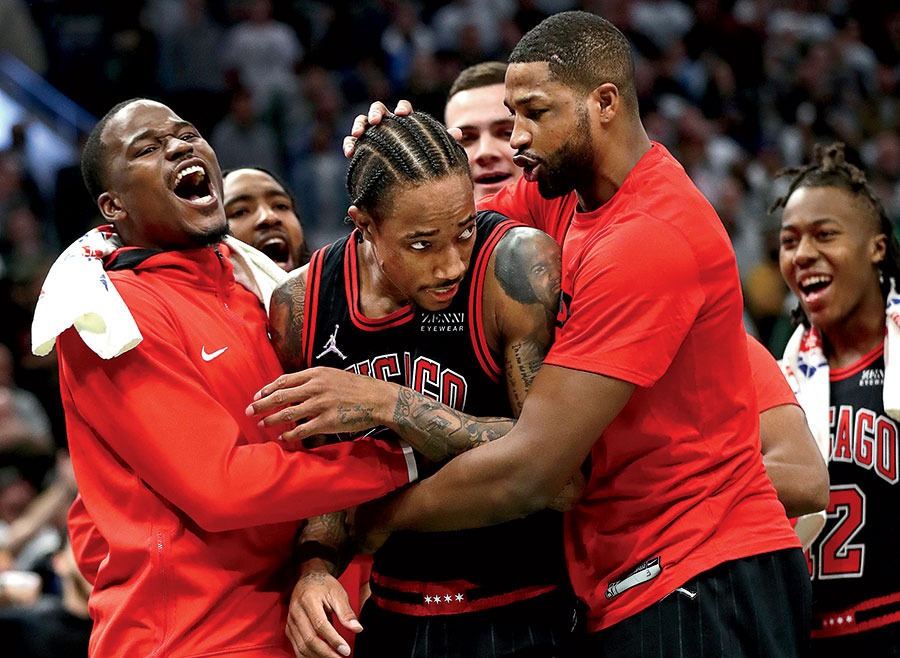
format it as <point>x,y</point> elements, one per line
<point>757,607</point>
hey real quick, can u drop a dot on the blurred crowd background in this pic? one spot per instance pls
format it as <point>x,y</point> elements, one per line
<point>737,90</point>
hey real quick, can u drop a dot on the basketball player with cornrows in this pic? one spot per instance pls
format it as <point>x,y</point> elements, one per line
<point>431,325</point>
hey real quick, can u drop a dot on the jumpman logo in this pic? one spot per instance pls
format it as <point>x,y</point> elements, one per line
<point>331,346</point>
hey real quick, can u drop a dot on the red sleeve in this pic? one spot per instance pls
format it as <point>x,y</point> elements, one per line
<point>772,389</point>
<point>88,546</point>
<point>630,307</point>
<point>152,410</point>
<point>522,202</point>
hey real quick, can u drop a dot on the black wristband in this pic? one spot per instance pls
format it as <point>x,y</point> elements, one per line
<point>311,549</point>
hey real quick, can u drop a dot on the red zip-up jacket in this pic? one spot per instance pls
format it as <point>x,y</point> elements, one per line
<point>188,509</point>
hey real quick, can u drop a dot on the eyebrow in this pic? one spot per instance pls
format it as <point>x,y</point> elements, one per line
<point>814,223</point>
<point>524,100</point>
<point>153,132</point>
<point>494,122</point>
<point>429,233</point>
<point>238,199</point>
<point>266,194</point>
<point>420,234</point>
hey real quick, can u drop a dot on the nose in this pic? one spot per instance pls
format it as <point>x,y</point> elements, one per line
<point>267,216</point>
<point>806,251</point>
<point>487,148</point>
<point>452,265</point>
<point>176,147</point>
<point>520,137</point>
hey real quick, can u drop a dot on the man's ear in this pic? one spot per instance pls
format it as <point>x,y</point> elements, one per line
<point>110,207</point>
<point>879,248</point>
<point>363,221</point>
<point>605,101</point>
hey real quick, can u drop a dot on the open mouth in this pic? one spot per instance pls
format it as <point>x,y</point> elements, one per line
<point>445,291</point>
<point>813,284</point>
<point>275,248</point>
<point>492,179</point>
<point>192,184</point>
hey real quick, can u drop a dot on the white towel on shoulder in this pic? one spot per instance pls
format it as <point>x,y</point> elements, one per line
<point>254,270</point>
<point>891,394</point>
<point>77,292</point>
<point>806,369</point>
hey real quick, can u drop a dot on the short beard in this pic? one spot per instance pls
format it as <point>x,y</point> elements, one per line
<point>210,236</point>
<point>570,163</point>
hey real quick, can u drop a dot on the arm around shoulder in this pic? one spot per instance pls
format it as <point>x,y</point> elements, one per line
<point>564,414</point>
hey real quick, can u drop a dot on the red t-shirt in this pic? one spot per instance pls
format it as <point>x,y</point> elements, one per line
<point>651,295</point>
<point>772,389</point>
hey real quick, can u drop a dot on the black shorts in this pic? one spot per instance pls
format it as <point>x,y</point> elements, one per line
<point>756,607</point>
<point>535,628</point>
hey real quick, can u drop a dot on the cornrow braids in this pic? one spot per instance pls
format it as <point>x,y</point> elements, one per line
<point>829,168</point>
<point>401,150</point>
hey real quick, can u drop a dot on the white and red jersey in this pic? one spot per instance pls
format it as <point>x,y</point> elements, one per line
<point>856,583</point>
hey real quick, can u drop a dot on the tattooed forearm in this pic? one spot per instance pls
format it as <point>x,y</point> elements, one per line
<point>355,414</point>
<point>326,537</point>
<point>286,321</point>
<point>440,432</point>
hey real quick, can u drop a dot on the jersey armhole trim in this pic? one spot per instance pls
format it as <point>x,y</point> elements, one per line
<point>489,364</point>
<point>310,304</point>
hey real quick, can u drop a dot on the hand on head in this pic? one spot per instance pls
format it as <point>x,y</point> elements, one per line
<point>376,111</point>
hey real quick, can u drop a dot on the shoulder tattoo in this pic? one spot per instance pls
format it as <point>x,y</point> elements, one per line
<point>286,321</point>
<point>528,267</point>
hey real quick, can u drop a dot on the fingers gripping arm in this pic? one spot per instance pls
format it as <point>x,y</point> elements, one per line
<point>324,549</point>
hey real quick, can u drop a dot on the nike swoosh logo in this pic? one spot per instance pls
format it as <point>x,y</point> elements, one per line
<point>210,356</point>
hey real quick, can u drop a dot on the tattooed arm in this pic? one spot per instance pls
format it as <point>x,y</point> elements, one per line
<point>325,542</point>
<point>286,319</point>
<point>521,296</point>
<point>519,306</point>
<point>520,303</point>
<point>324,549</point>
<point>525,301</point>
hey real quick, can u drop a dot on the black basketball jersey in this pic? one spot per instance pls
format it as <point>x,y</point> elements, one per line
<point>443,355</point>
<point>854,558</point>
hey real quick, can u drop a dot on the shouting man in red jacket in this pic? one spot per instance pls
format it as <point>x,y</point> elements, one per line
<point>188,509</point>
